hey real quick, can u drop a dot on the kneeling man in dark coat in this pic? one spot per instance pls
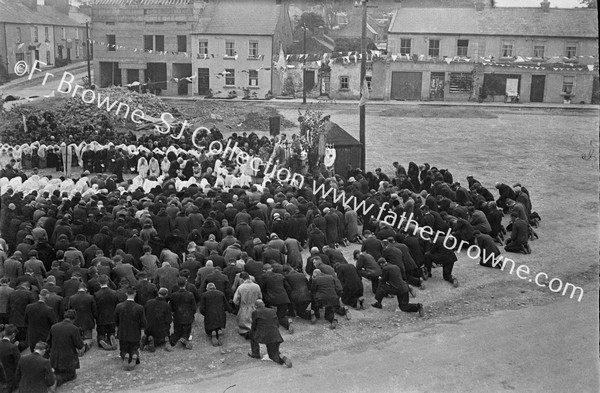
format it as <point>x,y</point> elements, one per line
<point>265,330</point>
<point>34,372</point>
<point>213,305</point>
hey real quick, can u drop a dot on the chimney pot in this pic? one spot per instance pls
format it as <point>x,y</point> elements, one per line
<point>545,6</point>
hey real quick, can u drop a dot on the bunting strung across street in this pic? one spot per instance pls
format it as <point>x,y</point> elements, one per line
<point>353,57</point>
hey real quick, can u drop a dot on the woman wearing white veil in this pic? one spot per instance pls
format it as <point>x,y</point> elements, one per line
<point>165,165</point>
<point>142,167</point>
<point>153,168</point>
<point>42,155</point>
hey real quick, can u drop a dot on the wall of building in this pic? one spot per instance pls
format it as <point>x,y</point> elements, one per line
<point>130,25</point>
<point>481,46</point>
<point>218,64</point>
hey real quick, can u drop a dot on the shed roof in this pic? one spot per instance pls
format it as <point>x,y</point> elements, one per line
<point>244,17</point>
<point>576,22</point>
<point>12,11</point>
<point>337,136</point>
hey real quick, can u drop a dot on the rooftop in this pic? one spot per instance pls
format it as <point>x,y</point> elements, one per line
<point>12,11</point>
<point>243,17</point>
<point>578,22</point>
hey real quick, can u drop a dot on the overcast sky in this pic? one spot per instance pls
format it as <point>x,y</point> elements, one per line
<point>536,3</point>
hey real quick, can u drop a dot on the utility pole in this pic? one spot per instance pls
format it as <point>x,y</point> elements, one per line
<point>363,73</point>
<point>87,47</point>
<point>304,66</point>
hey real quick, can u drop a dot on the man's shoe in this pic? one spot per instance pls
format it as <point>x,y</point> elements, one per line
<point>421,310</point>
<point>106,346</point>
<point>425,274</point>
<point>410,290</point>
<point>214,340</point>
<point>361,303</point>
<point>126,364</point>
<point>188,345</point>
<point>143,342</point>
<point>253,356</point>
<point>151,345</point>
<point>376,305</point>
<point>455,282</point>
<point>113,342</point>
<point>333,324</point>
<point>168,346</point>
<point>290,326</point>
<point>313,317</point>
<point>422,286</point>
<point>527,248</point>
<point>347,314</point>
<point>286,361</point>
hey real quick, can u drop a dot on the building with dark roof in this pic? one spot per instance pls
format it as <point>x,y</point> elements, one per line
<point>235,44</point>
<point>51,33</point>
<point>539,54</point>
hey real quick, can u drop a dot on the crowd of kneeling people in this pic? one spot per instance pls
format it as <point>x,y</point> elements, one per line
<point>135,267</point>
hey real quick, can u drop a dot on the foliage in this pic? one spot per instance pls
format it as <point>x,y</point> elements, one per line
<point>311,20</point>
<point>312,126</point>
<point>590,3</point>
<point>289,88</point>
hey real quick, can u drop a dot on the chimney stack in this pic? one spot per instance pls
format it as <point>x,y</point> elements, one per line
<point>479,5</point>
<point>545,6</point>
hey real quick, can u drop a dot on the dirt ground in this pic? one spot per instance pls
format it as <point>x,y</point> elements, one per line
<point>548,152</point>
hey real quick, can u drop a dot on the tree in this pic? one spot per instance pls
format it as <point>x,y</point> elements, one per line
<point>311,20</point>
<point>590,3</point>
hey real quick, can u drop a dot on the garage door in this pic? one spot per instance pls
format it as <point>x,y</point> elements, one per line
<point>406,85</point>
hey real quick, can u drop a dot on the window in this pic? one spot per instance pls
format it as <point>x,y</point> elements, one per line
<point>460,82</point>
<point>154,42</point>
<point>20,57</point>
<point>181,43</point>
<point>230,77</point>
<point>112,42</point>
<point>77,33</point>
<point>229,48</point>
<point>77,51</point>
<point>35,34</point>
<point>462,48</point>
<point>19,37</point>
<point>369,84</point>
<point>405,46</point>
<point>203,47</point>
<point>48,58</point>
<point>434,48</point>
<point>148,42</point>
<point>567,86</point>
<point>47,34</point>
<point>344,82</point>
<point>159,42</point>
<point>538,51</point>
<point>63,33</point>
<point>507,49</point>
<point>571,49</point>
<point>253,49</point>
<point>110,23</point>
<point>342,19</point>
<point>253,78</point>
<point>369,65</point>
